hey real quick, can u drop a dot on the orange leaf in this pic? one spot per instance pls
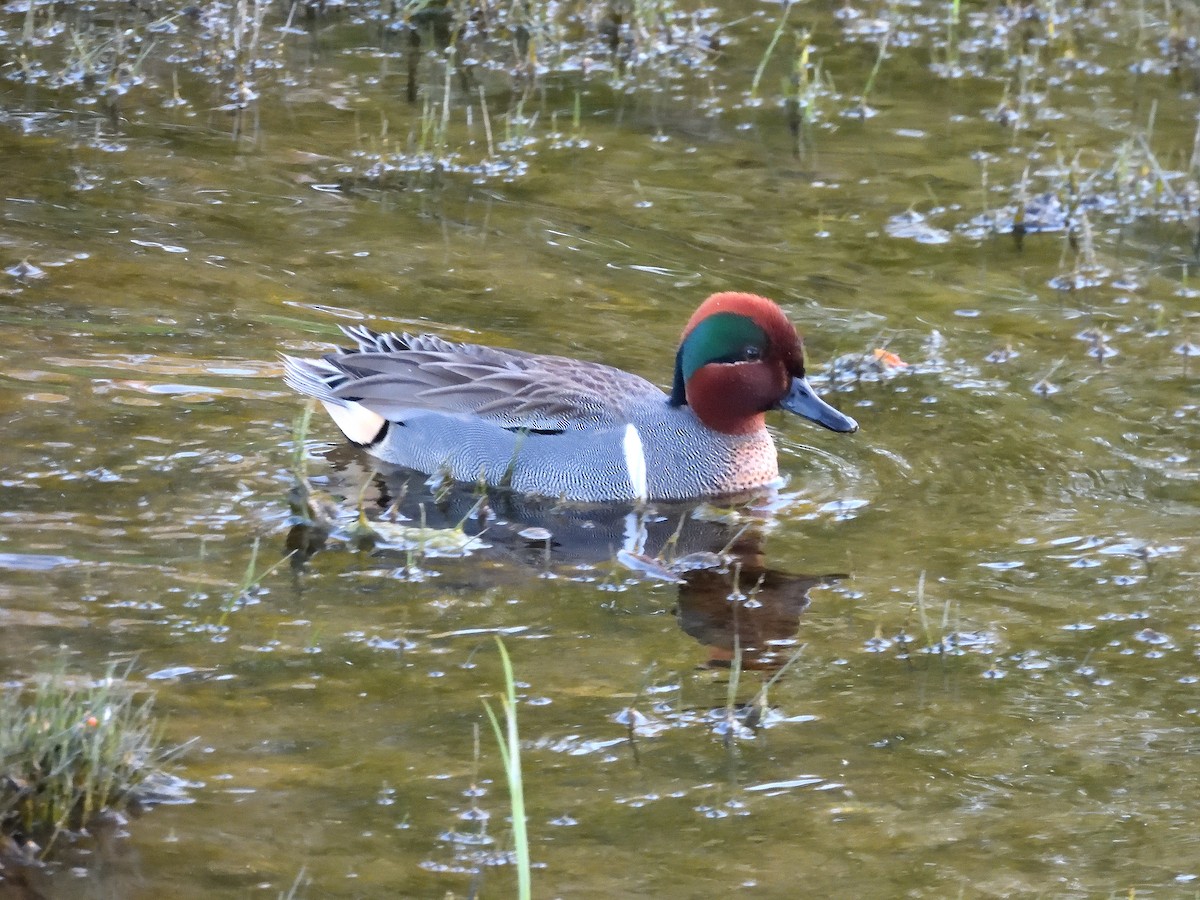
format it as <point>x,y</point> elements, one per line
<point>889,359</point>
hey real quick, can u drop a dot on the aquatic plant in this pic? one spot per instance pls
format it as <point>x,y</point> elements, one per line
<point>466,63</point>
<point>509,741</point>
<point>294,892</point>
<point>247,591</point>
<point>74,749</point>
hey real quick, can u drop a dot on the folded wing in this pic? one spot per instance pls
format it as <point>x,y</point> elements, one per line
<point>396,375</point>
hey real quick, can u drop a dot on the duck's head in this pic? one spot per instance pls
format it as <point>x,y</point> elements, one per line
<point>739,358</point>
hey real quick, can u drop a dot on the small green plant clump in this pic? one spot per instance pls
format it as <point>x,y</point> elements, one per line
<point>71,750</point>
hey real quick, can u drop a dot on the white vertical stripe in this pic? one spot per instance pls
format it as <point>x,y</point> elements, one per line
<point>635,462</point>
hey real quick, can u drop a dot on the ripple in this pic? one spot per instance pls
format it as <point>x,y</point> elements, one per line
<point>35,562</point>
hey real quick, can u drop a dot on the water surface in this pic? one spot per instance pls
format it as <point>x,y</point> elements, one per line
<point>998,694</point>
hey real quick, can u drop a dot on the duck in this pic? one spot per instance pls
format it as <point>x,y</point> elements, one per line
<point>572,430</point>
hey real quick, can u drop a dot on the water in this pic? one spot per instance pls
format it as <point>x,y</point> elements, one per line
<point>996,696</point>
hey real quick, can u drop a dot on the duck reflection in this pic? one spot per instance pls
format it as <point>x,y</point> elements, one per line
<point>729,599</point>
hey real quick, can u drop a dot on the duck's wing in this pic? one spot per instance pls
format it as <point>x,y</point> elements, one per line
<point>395,375</point>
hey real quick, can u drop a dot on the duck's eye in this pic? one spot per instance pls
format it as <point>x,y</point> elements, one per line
<point>752,353</point>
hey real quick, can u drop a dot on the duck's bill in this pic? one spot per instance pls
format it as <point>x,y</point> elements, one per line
<point>804,402</point>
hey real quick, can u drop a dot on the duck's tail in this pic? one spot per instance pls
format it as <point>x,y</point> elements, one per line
<point>321,378</point>
<point>314,378</point>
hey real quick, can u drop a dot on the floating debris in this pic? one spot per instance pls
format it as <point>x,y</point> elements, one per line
<point>914,226</point>
<point>426,541</point>
<point>1156,638</point>
<point>1100,348</point>
<point>25,271</point>
<point>721,515</point>
<point>1080,279</point>
<point>1045,388</point>
<point>887,359</point>
<point>645,565</point>
<point>870,365</point>
<point>701,559</point>
<point>1002,354</point>
<point>639,723</point>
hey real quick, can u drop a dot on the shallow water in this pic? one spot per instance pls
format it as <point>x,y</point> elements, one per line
<point>996,686</point>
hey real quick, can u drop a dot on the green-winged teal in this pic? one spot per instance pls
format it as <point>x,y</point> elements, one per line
<point>558,427</point>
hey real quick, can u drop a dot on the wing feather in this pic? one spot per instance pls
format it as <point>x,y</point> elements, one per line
<point>396,375</point>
